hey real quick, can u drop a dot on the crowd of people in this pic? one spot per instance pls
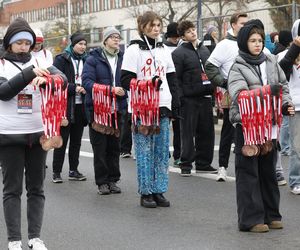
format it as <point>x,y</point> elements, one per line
<point>180,75</point>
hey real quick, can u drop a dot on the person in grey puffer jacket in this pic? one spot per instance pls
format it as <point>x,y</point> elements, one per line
<point>256,184</point>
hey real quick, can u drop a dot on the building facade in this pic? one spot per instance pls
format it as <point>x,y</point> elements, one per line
<point>95,15</point>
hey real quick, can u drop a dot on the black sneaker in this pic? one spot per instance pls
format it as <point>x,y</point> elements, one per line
<point>147,201</point>
<point>185,172</point>
<point>208,169</point>
<point>103,189</point>
<point>160,200</point>
<point>280,179</point>
<point>176,163</point>
<point>57,178</point>
<point>76,176</point>
<point>114,189</point>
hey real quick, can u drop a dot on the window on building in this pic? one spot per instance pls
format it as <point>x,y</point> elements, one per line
<point>120,28</point>
<point>64,9</point>
<point>107,4</point>
<point>97,35</point>
<point>95,6</point>
<point>78,8</point>
<point>52,12</point>
<point>118,4</point>
<point>86,6</point>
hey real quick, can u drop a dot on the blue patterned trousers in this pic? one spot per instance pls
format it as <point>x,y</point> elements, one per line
<point>152,159</point>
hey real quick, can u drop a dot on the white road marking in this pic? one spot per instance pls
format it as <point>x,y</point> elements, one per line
<point>171,169</point>
<point>171,148</point>
<point>203,175</point>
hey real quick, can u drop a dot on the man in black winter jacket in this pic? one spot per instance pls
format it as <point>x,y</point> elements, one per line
<point>195,91</point>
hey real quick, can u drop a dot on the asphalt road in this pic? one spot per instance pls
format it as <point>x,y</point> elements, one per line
<point>202,214</point>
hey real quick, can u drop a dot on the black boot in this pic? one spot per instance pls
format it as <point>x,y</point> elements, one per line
<point>160,200</point>
<point>147,201</point>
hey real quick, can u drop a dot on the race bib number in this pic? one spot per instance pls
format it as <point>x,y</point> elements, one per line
<point>207,42</point>
<point>24,103</point>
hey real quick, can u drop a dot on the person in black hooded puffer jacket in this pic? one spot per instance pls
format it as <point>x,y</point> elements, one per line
<point>20,130</point>
<point>256,184</point>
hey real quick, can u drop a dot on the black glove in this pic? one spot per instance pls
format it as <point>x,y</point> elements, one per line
<point>285,108</point>
<point>176,113</point>
<point>275,89</point>
<point>159,82</point>
<point>224,84</point>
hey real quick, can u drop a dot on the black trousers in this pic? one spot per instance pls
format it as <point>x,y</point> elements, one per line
<point>197,123</point>
<point>256,186</point>
<point>176,139</point>
<point>73,131</point>
<point>14,158</point>
<point>126,135</point>
<point>106,149</point>
<point>226,140</point>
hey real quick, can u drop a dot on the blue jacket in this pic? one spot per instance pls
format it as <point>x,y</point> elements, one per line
<point>97,70</point>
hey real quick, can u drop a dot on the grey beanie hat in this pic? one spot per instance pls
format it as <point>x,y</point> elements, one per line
<point>109,31</point>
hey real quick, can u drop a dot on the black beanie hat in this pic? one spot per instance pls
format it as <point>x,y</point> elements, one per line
<point>76,38</point>
<point>243,36</point>
<point>285,37</point>
<point>18,25</point>
<point>256,22</point>
<point>172,30</point>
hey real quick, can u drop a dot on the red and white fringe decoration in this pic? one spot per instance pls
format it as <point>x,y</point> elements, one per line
<point>219,93</point>
<point>256,110</point>
<point>103,99</point>
<point>53,107</point>
<point>144,102</point>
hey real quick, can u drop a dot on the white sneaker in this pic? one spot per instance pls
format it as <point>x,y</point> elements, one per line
<point>36,244</point>
<point>15,245</point>
<point>296,189</point>
<point>222,174</point>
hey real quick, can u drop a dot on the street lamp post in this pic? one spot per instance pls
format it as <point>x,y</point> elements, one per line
<point>69,18</point>
<point>199,22</point>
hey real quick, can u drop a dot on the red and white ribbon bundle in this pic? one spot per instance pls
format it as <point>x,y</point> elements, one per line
<point>53,107</point>
<point>105,105</point>
<point>145,106</point>
<point>259,111</point>
<point>219,92</point>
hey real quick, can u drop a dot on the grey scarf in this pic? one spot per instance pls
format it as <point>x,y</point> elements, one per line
<point>253,60</point>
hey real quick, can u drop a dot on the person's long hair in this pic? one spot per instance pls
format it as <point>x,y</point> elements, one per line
<point>147,17</point>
